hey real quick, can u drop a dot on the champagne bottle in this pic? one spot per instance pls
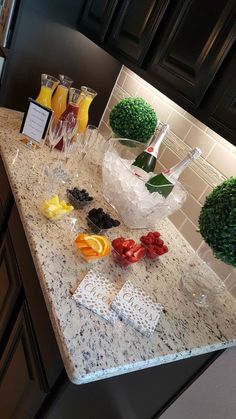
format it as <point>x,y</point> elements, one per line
<point>164,182</point>
<point>146,161</point>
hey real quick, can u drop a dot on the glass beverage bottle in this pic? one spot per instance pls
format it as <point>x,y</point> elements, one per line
<point>86,97</point>
<point>146,161</point>
<point>71,112</point>
<point>165,181</point>
<point>59,99</point>
<point>48,85</point>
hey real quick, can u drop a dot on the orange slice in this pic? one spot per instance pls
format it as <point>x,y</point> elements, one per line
<point>94,243</point>
<point>105,244</point>
<point>80,237</point>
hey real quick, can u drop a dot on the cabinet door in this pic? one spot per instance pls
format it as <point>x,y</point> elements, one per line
<point>6,197</point>
<point>135,27</point>
<point>221,101</point>
<point>9,282</point>
<point>21,379</point>
<point>96,18</point>
<point>192,47</point>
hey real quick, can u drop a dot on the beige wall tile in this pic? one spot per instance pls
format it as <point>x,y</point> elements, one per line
<point>146,94</point>
<point>205,194</point>
<point>195,121</point>
<point>221,269</point>
<point>168,158</point>
<point>230,282</point>
<point>194,184</point>
<point>177,218</point>
<point>106,116</point>
<point>192,209</point>
<point>112,102</point>
<point>104,130</point>
<point>162,110</point>
<point>197,138</point>
<point>188,230</point>
<point>223,160</point>
<point>178,124</point>
<point>130,86</point>
<point>121,78</point>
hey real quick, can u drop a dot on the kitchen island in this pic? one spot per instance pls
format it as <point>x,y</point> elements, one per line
<point>91,348</point>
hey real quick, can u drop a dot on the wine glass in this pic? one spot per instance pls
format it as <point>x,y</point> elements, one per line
<point>56,132</point>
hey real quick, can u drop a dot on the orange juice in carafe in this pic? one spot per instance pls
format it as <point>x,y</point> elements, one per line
<point>48,85</point>
<point>59,99</point>
<point>85,99</point>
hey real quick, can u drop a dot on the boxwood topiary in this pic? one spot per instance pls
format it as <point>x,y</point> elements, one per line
<point>217,221</point>
<point>133,118</point>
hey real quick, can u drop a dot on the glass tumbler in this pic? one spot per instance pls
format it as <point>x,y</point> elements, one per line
<point>201,280</point>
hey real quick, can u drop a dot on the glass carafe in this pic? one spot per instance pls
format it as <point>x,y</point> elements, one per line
<point>86,97</point>
<point>71,110</point>
<point>48,85</point>
<point>59,99</point>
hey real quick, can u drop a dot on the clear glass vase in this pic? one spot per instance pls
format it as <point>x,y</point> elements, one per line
<point>84,101</point>
<point>204,277</point>
<point>48,85</point>
<point>60,97</point>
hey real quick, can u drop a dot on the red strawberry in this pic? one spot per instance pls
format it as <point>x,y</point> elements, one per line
<point>135,253</point>
<point>127,245</point>
<point>117,244</point>
<point>159,242</point>
<point>160,251</point>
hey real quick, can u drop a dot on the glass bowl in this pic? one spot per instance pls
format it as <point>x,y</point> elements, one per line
<point>77,204</point>
<point>128,194</point>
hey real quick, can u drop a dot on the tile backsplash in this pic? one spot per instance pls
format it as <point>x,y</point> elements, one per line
<point>218,159</point>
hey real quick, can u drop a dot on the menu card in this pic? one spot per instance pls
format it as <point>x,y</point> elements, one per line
<point>137,308</point>
<point>96,293</point>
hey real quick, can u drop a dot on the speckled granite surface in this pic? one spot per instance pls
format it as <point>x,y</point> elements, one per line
<point>91,348</point>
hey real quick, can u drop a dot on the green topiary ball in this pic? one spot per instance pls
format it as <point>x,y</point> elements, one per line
<point>217,221</point>
<point>133,118</point>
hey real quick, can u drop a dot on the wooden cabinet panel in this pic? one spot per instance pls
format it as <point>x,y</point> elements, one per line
<point>96,18</point>
<point>6,198</point>
<point>192,47</point>
<point>49,351</point>
<point>135,27</point>
<point>9,282</point>
<point>221,101</point>
<point>21,378</point>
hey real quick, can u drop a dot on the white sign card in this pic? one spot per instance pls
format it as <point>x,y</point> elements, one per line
<point>36,121</point>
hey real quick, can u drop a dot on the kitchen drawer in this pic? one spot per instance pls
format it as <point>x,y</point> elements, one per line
<point>10,284</point>
<point>21,376</point>
<point>6,197</point>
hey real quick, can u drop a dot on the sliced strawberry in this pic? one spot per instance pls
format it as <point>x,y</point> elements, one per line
<point>118,244</point>
<point>127,245</point>
<point>139,253</point>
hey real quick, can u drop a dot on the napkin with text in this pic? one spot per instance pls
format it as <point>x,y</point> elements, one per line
<point>137,308</point>
<point>96,293</point>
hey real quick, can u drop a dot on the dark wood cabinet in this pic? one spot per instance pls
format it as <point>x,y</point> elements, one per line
<point>221,102</point>
<point>21,375</point>
<point>6,198</point>
<point>192,47</point>
<point>96,18</point>
<point>135,26</point>
<point>10,284</point>
<point>178,46</point>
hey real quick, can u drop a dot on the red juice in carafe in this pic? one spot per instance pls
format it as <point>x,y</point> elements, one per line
<point>72,109</point>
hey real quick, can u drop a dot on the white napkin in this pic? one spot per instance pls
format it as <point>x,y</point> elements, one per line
<point>96,293</point>
<point>137,308</point>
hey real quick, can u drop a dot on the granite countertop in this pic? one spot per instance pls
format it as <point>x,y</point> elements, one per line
<point>91,348</point>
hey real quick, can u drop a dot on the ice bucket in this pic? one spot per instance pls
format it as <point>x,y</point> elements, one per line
<point>128,194</point>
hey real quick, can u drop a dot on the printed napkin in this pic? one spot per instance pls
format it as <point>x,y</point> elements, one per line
<point>96,293</point>
<point>137,308</point>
